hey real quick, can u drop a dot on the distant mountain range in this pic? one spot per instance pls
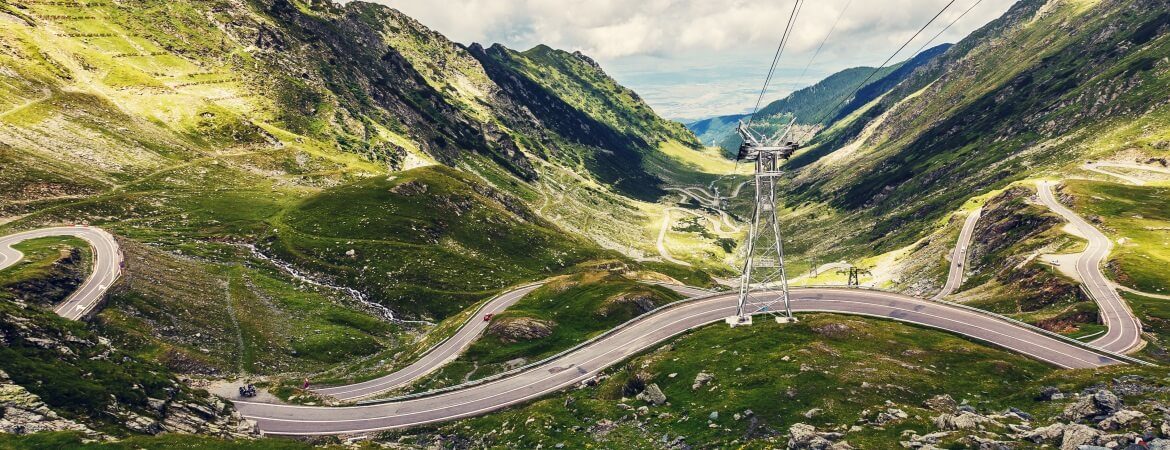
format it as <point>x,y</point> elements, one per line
<point>817,105</point>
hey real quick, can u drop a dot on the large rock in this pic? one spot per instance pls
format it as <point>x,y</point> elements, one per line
<point>1120,419</point>
<point>941,403</point>
<point>639,302</point>
<point>963,421</point>
<point>1107,401</point>
<point>702,379</point>
<point>1049,433</point>
<point>1093,407</point>
<point>1076,435</point>
<point>1159,444</point>
<point>805,437</point>
<point>516,329</point>
<point>653,394</point>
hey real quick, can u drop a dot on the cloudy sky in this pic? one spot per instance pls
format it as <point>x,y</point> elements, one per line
<point>699,58</point>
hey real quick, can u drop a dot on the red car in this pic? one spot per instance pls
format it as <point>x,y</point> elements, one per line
<point>488,317</point>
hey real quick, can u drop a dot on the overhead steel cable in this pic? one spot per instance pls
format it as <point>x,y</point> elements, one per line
<point>884,64</point>
<point>944,30</point>
<point>817,53</point>
<point>776,59</point>
<point>827,36</point>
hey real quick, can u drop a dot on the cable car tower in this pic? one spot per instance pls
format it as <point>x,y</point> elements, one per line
<point>764,282</point>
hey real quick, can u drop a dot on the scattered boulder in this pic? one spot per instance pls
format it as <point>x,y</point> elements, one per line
<point>965,420</point>
<point>1050,393</point>
<point>1076,435</point>
<point>941,403</point>
<point>1070,436</point>
<point>889,416</point>
<point>1159,444</point>
<point>1049,433</point>
<point>653,394</point>
<point>516,329</point>
<point>1020,414</point>
<point>602,427</point>
<point>803,436</point>
<point>1120,419</point>
<point>813,413</point>
<point>702,379</point>
<point>1094,407</point>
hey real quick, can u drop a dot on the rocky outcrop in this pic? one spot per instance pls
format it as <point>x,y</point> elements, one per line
<point>22,412</point>
<point>62,278</point>
<point>806,437</point>
<point>516,329</point>
<point>941,403</point>
<point>1095,407</point>
<point>638,302</point>
<point>1010,223</point>
<point>653,395</point>
<point>137,398</point>
<point>702,379</point>
<point>965,420</point>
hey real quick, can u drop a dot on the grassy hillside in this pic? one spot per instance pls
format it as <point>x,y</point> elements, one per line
<point>985,115</point>
<point>1137,220</point>
<point>65,371</point>
<point>240,150</point>
<point>426,243</point>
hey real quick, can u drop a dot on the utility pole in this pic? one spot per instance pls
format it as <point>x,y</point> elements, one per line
<point>855,274</point>
<point>764,280</point>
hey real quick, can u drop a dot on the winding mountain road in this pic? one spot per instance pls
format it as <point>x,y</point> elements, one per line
<point>107,266</point>
<point>436,357</point>
<point>587,361</point>
<point>959,255</point>
<point>1099,167</point>
<point>1125,330</point>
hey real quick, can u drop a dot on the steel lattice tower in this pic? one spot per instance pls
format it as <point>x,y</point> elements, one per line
<point>764,280</point>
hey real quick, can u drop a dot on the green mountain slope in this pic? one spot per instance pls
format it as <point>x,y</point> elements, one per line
<point>240,150</point>
<point>822,103</point>
<point>1081,79</point>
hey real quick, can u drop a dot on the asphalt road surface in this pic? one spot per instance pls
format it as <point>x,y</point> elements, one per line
<point>1098,168</point>
<point>1125,330</point>
<point>107,266</point>
<point>440,355</point>
<point>586,362</point>
<point>959,255</point>
<point>451,348</point>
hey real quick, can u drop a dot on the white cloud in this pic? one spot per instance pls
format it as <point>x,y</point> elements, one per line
<point>699,31</point>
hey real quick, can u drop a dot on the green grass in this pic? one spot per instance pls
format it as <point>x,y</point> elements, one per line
<point>427,243</point>
<point>87,377</point>
<point>579,306</point>
<point>1137,219</point>
<point>39,257</point>
<point>235,318</point>
<point>1155,316</point>
<point>74,441</point>
<point>1005,276</point>
<point>843,365</point>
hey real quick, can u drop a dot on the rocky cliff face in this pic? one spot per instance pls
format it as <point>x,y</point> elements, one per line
<point>57,376</point>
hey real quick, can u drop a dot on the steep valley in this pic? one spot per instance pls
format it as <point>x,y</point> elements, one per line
<point>307,193</point>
